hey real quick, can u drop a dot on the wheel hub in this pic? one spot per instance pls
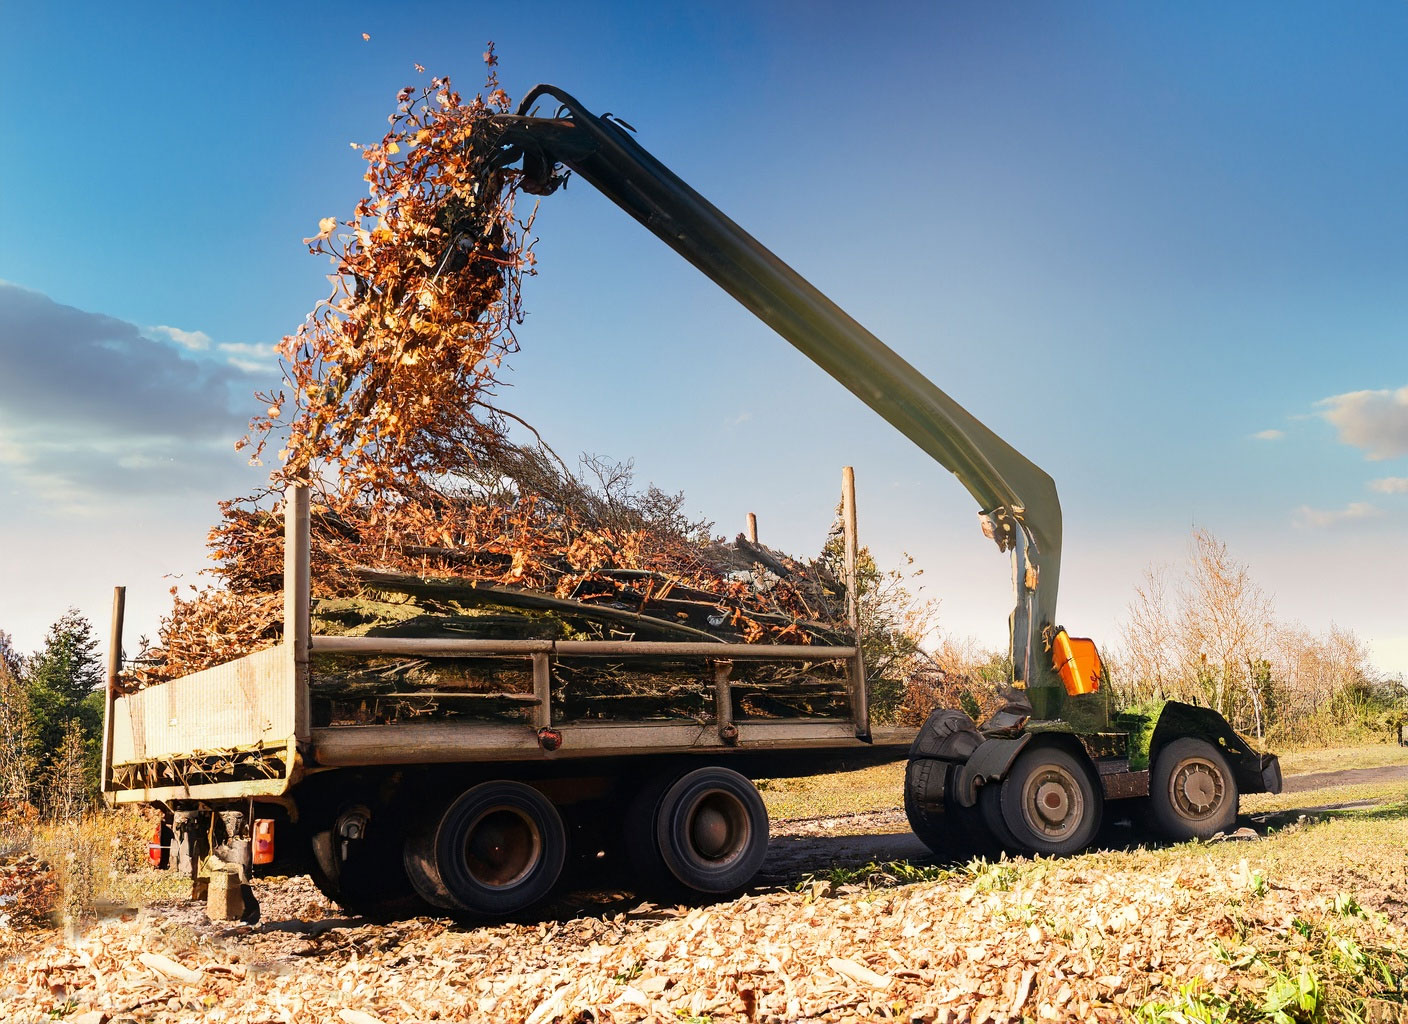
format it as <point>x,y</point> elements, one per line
<point>718,827</point>
<point>1052,802</point>
<point>502,847</point>
<point>1197,788</point>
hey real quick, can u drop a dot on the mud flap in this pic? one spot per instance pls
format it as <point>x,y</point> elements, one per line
<point>1255,772</point>
<point>989,763</point>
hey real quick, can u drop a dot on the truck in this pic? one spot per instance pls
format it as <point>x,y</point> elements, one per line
<point>480,815</point>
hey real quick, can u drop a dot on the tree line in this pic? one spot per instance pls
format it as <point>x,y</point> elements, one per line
<point>1209,634</point>
<point>51,719</point>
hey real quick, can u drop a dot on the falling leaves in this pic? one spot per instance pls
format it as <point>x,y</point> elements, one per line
<point>384,382</point>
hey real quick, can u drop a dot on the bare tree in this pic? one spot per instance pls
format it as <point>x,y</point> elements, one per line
<point>1226,626</point>
<point>1150,638</point>
<point>66,793</point>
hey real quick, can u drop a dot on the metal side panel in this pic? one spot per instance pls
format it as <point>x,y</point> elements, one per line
<point>451,742</point>
<point>242,704</point>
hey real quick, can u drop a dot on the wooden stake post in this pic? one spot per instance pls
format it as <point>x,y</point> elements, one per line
<point>860,698</point>
<point>297,602</point>
<point>119,608</point>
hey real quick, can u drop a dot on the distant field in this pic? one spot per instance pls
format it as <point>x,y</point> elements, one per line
<point>1333,759</point>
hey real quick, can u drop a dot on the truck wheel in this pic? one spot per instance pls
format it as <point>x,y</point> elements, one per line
<point>362,872</point>
<point>1192,791</point>
<point>946,828</point>
<point>1049,803</point>
<point>497,850</point>
<point>711,831</point>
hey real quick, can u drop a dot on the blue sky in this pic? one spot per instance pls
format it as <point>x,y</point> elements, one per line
<point>1131,238</point>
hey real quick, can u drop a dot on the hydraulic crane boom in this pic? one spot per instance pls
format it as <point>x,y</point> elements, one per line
<point>1018,504</point>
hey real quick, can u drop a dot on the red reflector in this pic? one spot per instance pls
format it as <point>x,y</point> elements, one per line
<point>263,840</point>
<point>154,848</point>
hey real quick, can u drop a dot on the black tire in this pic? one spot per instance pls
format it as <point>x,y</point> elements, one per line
<point>1049,802</point>
<point>366,876</point>
<point>949,830</point>
<point>649,877</point>
<point>1192,790</point>
<point>989,808</point>
<point>498,849</point>
<point>711,831</point>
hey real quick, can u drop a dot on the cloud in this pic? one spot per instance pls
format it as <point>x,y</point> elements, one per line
<point>1383,485</point>
<point>1321,517</point>
<point>250,358</point>
<point>93,409</point>
<point>196,341</point>
<point>1269,435</point>
<point>1375,421</point>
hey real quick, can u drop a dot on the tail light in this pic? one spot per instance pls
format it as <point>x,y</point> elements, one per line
<point>263,840</point>
<point>156,850</point>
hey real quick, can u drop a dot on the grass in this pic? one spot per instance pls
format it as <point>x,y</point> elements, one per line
<point>1334,759</point>
<point>878,788</point>
<point>98,859</point>
<point>1265,803</point>
<point>1336,960</point>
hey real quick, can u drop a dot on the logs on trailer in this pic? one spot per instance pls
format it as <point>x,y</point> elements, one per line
<point>739,593</point>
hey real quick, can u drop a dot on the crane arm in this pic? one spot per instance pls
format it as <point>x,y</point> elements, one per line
<point>1018,503</point>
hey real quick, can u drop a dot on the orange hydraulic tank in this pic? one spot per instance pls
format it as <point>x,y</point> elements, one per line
<point>264,840</point>
<point>1077,661</point>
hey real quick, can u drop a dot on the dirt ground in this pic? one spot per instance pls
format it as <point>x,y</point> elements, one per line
<point>830,933</point>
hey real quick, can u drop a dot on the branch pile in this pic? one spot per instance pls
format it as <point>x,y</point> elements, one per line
<point>387,410</point>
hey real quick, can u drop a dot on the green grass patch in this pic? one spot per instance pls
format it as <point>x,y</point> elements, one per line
<point>878,788</point>
<point>1266,803</point>
<point>1334,759</point>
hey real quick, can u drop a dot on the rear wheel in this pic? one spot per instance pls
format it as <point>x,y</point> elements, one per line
<point>356,862</point>
<point>947,828</point>
<point>1192,791</point>
<point>1049,803</point>
<point>705,834</point>
<point>497,850</point>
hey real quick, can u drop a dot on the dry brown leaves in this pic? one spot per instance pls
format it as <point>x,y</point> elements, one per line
<point>28,893</point>
<point>386,412</point>
<point>1065,941</point>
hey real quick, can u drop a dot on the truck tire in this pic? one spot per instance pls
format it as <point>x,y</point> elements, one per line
<point>497,850</point>
<point>366,875</point>
<point>949,830</point>
<point>1049,802</point>
<point>711,831</point>
<point>1192,790</point>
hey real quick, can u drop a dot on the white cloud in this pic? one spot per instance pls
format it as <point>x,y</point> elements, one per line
<point>1390,485</point>
<point>1375,421</point>
<point>250,358</point>
<point>196,341</point>
<point>93,409</point>
<point>1269,435</point>
<point>1320,517</point>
